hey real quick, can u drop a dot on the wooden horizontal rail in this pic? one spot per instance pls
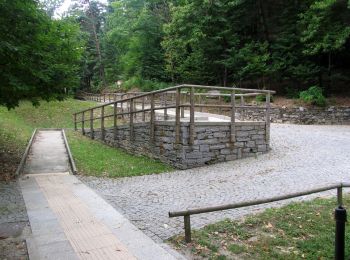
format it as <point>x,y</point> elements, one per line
<point>254,91</point>
<point>187,213</point>
<point>179,98</point>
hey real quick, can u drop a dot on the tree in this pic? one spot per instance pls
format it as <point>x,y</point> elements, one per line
<point>326,30</point>
<point>38,56</point>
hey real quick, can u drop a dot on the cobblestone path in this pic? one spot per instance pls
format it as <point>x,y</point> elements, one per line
<point>302,157</point>
<point>13,222</point>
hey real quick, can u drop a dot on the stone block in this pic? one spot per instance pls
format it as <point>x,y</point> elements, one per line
<point>225,151</point>
<point>204,148</point>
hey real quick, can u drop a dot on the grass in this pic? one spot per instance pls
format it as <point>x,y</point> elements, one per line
<point>91,157</point>
<point>296,231</point>
<point>95,158</point>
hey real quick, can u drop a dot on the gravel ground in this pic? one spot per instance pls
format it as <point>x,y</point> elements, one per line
<point>302,157</point>
<point>13,222</point>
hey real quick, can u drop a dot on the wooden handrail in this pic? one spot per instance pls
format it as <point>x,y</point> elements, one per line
<point>187,213</point>
<point>184,97</point>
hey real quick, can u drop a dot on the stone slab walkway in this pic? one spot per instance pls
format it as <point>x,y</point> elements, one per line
<point>70,221</point>
<point>302,157</point>
<point>48,153</point>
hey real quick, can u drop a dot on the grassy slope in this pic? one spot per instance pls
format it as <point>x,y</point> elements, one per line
<point>296,231</point>
<point>92,157</point>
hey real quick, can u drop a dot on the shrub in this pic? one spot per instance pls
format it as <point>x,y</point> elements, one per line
<point>292,93</point>
<point>314,95</point>
<point>262,98</point>
<point>144,84</point>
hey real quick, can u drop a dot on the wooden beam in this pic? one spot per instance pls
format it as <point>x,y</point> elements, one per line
<point>177,116</point>
<point>233,117</point>
<point>115,118</point>
<point>131,120</point>
<point>92,123</point>
<point>103,123</point>
<point>191,141</point>
<point>152,120</point>
<point>268,107</point>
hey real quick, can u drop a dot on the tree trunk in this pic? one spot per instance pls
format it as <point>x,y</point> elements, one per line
<point>263,22</point>
<point>98,49</point>
<point>329,87</point>
<point>225,77</point>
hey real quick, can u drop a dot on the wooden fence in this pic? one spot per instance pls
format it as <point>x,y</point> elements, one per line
<point>182,101</point>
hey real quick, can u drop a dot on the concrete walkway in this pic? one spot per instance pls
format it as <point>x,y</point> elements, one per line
<point>70,221</point>
<point>48,153</point>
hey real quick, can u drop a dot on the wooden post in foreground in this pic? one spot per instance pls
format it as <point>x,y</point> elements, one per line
<point>187,223</point>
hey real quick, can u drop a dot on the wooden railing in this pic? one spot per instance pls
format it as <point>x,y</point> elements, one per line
<point>142,107</point>
<point>188,212</point>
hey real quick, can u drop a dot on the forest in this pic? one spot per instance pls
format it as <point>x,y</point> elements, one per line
<point>288,46</point>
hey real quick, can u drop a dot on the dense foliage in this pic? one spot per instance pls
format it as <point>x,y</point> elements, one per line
<point>39,56</point>
<point>287,45</point>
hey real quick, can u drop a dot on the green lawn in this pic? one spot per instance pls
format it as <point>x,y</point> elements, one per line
<point>296,231</point>
<point>91,157</point>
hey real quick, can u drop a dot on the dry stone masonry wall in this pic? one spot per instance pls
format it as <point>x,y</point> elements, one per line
<point>211,142</point>
<point>302,115</point>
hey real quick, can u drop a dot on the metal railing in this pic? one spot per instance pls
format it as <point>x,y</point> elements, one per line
<point>142,107</point>
<point>340,213</point>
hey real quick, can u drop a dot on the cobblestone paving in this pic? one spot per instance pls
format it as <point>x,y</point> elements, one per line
<point>13,220</point>
<point>12,208</point>
<point>302,157</point>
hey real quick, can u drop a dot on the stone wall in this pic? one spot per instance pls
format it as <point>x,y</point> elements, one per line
<point>211,142</point>
<point>302,115</point>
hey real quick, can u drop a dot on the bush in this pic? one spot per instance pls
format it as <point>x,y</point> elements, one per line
<point>292,93</point>
<point>262,98</point>
<point>144,84</point>
<point>314,95</point>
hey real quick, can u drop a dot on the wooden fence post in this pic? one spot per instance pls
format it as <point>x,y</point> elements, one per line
<point>103,123</point>
<point>192,116</point>
<point>268,97</point>
<point>122,106</point>
<point>243,109</point>
<point>187,223</point>
<point>183,101</point>
<point>82,123</point>
<point>75,122</point>
<point>115,118</point>
<point>177,115</point>
<point>233,117</point>
<point>152,121</point>
<point>220,109</point>
<point>165,104</point>
<point>92,123</point>
<point>131,120</point>
<point>143,108</point>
